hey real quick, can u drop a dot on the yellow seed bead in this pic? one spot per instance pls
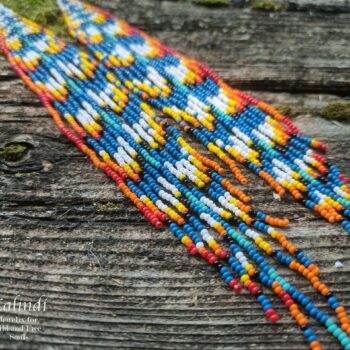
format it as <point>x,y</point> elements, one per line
<point>99,55</point>
<point>159,138</point>
<point>154,145</point>
<point>226,215</point>
<point>180,207</point>
<point>249,267</point>
<point>199,183</point>
<point>99,18</point>
<point>56,93</point>
<point>234,201</point>
<point>105,156</point>
<point>245,278</point>
<point>258,240</point>
<point>211,243</point>
<point>110,76</point>
<point>217,225</point>
<point>89,128</point>
<point>274,234</point>
<point>265,246</point>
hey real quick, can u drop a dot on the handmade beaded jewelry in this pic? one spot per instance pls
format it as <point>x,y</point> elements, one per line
<point>228,122</point>
<point>160,172</point>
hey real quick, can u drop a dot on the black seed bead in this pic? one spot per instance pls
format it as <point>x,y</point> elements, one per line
<point>234,221</point>
<point>252,213</point>
<point>257,295</point>
<point>218,265</point>
<point>187,216</point>
<point>226,237</point>
<point>185,202</point>
<point>231,241</point>
<point>329,295</point>
<point>210,172</point>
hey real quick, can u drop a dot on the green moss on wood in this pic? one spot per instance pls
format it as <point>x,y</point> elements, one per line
<point>106,207</point>
<point>287,110</point>
<point>13,152</point>
<point>44,12</point>
<point>267,5</point>
<point>337,110</point>
<point>212,3</point>
<point>20,175</point>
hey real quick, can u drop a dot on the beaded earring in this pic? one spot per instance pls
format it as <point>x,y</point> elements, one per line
<point>231,124</point>
<point>168,180</point>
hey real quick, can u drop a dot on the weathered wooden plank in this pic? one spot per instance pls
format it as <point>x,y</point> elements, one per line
<point>290,51</point>
<point>112,282</point>
<point>332,6</point>
<point>305,51</point>
<point>320,5</point>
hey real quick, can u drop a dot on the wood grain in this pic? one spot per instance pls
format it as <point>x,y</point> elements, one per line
<point>112,281</point>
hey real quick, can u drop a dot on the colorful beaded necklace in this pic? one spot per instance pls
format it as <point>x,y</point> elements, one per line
<point>231,124</point>
<point>168,180</point>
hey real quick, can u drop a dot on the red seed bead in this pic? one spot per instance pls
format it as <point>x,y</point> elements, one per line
<point>194,251</point>
<point>232,283</point>
<point>274,318</point>
<point>238,288</point>
<point>289,302</point>
<point>343,177</point>
<point>212,259</point>
<point>269,312</point>
<point>191,246</point>
<point>205,254</point>
<point>223,255</point>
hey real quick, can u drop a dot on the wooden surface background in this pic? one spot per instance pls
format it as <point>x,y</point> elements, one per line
<point>111,280</point>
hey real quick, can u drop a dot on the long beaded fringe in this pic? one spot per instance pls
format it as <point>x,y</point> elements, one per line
<point>170,182</point>
<point>229,123</point>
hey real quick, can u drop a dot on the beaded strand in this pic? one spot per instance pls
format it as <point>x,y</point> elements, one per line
<point>228,122</point>
<point>58,83</point>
